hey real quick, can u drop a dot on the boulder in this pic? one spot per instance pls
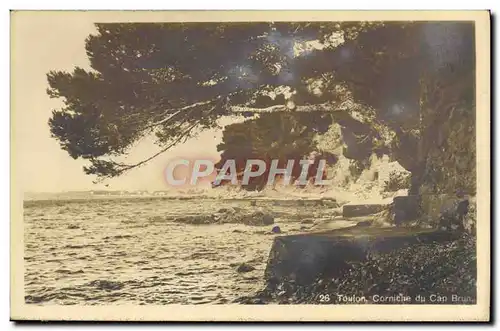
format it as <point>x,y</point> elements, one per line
<point>276,229</point>
<point>244,267</point>
<point>448,211</point>
<point>453,214</point>
<point>406,208</point>
<point>267,219</point>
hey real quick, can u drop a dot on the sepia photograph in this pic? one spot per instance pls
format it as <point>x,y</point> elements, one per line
<point>250,166</point>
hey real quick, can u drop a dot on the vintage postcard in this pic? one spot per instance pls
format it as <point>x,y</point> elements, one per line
<point>250,166</point>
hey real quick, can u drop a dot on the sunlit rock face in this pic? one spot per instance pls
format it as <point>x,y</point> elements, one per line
<point>373,177</point>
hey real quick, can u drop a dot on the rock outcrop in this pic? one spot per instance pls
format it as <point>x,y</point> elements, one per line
<point>229,215</point>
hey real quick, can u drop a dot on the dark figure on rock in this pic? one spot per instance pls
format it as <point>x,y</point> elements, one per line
<point>453,213</point>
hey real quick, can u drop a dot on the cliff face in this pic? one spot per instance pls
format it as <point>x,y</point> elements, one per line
<point>449,165</point>
<point>450,154</point>
<point>447,148</point>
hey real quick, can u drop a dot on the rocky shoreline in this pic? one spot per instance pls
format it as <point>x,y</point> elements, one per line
<point>414,263</point>
<point>427,273</point>
<point>371,251</point>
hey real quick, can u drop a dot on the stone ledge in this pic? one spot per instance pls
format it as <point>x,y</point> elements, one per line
<point>304,257</point>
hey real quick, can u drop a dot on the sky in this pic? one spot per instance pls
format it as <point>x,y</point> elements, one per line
<point>41,43</point>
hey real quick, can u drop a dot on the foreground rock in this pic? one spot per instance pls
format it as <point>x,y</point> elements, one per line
<point>305,257</point>
<point>448,268</point>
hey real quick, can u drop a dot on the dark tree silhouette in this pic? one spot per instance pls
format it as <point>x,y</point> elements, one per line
<point>390,85</point>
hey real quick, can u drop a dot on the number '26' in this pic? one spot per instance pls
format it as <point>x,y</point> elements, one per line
<point>324,298</point>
